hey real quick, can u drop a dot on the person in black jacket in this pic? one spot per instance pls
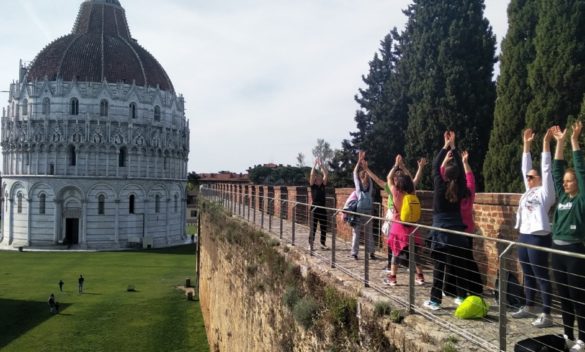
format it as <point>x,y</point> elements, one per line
<point>447,248</point>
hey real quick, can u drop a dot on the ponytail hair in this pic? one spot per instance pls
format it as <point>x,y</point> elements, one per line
<point>451,174</point>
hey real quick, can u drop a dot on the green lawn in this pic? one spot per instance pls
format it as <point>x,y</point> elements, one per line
<point>106,317</point>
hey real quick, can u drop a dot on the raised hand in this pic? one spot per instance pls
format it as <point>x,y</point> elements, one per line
<point>528,135</point>
<point>577,127</point>
<point>452,139</point>
<point>399,160</point>
<point>558,134</point>
<point>548,136</point>
<point>465,156</point>
<point>447,139</point>
<point>422,162</point>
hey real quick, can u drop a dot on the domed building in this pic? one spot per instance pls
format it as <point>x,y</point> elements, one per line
<point>95,143</point>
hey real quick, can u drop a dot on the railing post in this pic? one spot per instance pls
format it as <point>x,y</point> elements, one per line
<point>311,234</point>
<point>270,214</point>
<point>240,200</point>
<point>294,221</point>
<point>502,289</point>
<point>366,253</point>
<point>412,269</point>
<point>281,221</point>
<point>254,214</point>
<point>262,212</point>
<point>333,238</point>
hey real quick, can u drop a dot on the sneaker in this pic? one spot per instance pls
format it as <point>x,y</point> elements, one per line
<point>354,256</point>
<point>458,300</point>
<point>543,321</point>
<point>324,247</point>
<point>432,305</point>
<point>578,346</point>
<point>391,280</point>
<point>373,256</point>
<point>568,342</point>
<point>386,270</point>
<point>420,279</point>
<point>524,312</point>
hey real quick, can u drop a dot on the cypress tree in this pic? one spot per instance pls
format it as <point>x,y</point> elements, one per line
<point>448,53</point>
<point>502,163</point>
<point>556,76</point>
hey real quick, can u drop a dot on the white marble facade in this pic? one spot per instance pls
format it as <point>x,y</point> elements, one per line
<point>93,165</point>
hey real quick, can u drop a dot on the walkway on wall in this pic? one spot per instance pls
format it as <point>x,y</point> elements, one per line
<point>496,332</point>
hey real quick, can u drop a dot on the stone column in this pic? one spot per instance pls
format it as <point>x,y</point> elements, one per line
<point>117,222</point>
<point>57,220</point>
<point>29,219</point>
<point>83,232</point>
<point>11,221</point>
<point>167,220</point>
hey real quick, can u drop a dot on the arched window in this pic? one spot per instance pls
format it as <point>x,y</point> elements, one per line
<point>157,113</point>
<point>101,204</point>
<point>122,157</point>
<point>51,169</point>
<point>72,155</point>
<point>104,107</point>
<point>176,203</point>
<point>46,106</point>
<point>131,204</point>
<point>25,107</point>
<point>132,110</point>
<point>157,204</point>
<point>74,106</point>
<point>42,201</point>
<point>19,203</point>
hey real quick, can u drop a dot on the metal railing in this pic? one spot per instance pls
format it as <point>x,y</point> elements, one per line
<point>481,332</point>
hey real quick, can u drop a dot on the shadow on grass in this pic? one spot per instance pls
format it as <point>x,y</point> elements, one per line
<point>186,249</point>
<point>18,317</point>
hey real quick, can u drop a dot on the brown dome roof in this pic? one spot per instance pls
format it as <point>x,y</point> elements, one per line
<point>99,47</point>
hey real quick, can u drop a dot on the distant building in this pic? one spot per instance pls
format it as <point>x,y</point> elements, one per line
<point>223,177</point>
<point>95,142</point>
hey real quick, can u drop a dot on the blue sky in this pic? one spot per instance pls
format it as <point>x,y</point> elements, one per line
<point>262,79</point>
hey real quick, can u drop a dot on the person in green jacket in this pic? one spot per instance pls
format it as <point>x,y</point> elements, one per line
<point>569,234</point>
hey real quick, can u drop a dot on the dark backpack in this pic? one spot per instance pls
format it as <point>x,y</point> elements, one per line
<point>515,296</point>
<point>544,343</point>
<point>350,205</point>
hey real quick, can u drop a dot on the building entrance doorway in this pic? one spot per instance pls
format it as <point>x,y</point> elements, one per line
<point>71,231</point>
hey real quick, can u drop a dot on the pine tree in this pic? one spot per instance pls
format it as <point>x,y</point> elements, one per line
<point>448,53</point>
<point>556,76</point>
<point>502,163</point>
<point>379,132</point>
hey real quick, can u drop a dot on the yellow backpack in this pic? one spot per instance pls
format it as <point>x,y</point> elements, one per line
<point>410,210</point>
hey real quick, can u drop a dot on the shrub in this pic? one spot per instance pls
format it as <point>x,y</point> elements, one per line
<point>305,311</point>
<point>396,316</point>
<point>291,297</point>
<point>382,308</point>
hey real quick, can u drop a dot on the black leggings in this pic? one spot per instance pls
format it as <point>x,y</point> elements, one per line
<point>319,216</point>
<point>569,276</point>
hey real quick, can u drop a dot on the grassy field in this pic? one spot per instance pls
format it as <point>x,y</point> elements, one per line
<point>105,317</point>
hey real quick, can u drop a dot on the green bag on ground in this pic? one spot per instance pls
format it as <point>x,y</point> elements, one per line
<point>473,307</point>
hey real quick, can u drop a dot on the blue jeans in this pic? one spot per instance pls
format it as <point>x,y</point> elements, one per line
<point>534,264</point>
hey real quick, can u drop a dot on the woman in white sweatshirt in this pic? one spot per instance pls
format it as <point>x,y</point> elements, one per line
<point>534,225</point>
